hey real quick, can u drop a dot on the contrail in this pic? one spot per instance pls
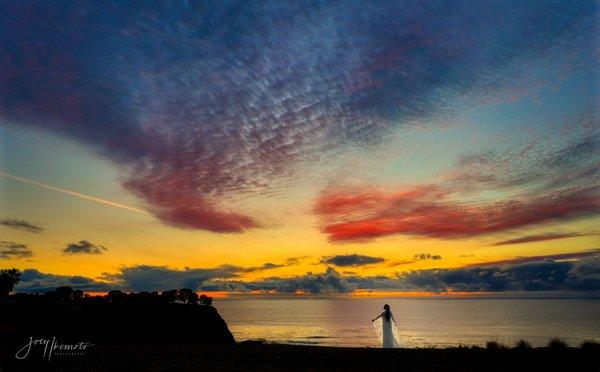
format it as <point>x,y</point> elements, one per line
<point>73,193</point>
<point>114,204</point>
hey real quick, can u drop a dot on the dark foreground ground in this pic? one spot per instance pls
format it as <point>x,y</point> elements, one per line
<point>274,357</point>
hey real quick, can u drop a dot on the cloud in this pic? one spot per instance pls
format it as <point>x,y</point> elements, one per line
<point>538,275</point>
<point>13,223</point>
<point>416,258</point>
<point>199,103</point>
<point>13,250</point>
<point>34,281</point>
<point>540,238</point>
<point>541,182</point>
<point>552,257</point>
<point>148,278</point>
<point>329,281</point>
<point>269,265</point>
<point>352,260</point>
<point>427,256</point>
<point>83,247</point>
<point>429,211</point>
<point>541,273</point>
<point>568,271</point>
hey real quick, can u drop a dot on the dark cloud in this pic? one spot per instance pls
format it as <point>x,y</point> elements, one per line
<point>200,101</point>
<point>328,282</point>
<point>83,247</point>
<point>417,257</point>
<point>546,275</point>
<point>12,250</point>
<point>540,238</point>
<point>557,256</point>
<point>569,271</point>
<point>352,260</point>
<point>148,278</point>
<point>427,256</point>
<point>34,281</point>
<point>13,223</point>
<point>269,265</point>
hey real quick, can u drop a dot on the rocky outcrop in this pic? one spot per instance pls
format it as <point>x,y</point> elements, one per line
<point>113,323</point>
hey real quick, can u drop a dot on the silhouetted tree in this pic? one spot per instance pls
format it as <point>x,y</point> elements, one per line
<point>64,293</point>
<point>115,295</point>
<point>8,279</point>
<point>193,299</point>
<point>77,295</point>
<point>169,296</point>
<point>183,295</point>
<point>205,300</point>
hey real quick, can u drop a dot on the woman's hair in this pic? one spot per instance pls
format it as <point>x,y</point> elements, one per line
<point>388,313</point>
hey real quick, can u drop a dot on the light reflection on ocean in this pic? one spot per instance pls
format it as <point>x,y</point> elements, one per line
<point>422,322</point>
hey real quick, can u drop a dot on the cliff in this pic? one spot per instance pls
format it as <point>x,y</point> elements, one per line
<point>113,323</point>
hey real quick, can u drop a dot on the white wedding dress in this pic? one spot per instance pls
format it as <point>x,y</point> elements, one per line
<point>387,332</point>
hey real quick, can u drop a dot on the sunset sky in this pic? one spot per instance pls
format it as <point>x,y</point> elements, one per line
<point>301,147</point>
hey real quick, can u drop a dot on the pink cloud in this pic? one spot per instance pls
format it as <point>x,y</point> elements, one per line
<point>429,211</point>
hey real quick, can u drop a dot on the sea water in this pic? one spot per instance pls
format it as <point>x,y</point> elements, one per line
<point>422,322</point>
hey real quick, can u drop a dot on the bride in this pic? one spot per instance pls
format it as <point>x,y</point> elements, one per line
<point>385,326</point>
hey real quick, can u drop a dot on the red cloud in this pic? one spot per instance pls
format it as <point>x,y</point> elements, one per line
<point>428,211</point>
<point>176,200</point>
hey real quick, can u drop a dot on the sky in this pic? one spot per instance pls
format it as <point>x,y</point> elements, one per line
<point>301,147</point>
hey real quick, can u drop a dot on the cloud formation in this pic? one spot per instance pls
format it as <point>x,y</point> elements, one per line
<point>329,281</point>
<point>541,186</point>
<point>201,101</point>
<point>12,250</point>
<point>83,247</point>
<point>570,271</point>
<point>429,211</point>
<point>427,256</point>
<point>352,260</point>
<point>147,277</point>
<point>540,238</point>
<point>13,223</point>
<point>541,275</point>
<point>550,257</point>
<point>34,281</point>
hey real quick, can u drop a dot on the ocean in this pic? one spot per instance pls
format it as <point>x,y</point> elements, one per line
<point>422,322</point>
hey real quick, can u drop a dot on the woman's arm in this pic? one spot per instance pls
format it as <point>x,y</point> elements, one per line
<point>380,315</point>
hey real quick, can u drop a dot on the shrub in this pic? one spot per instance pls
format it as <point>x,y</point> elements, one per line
<point>557,343</point>
<point>494,345</point>
<point>522,344</point>
<point>590,345</point>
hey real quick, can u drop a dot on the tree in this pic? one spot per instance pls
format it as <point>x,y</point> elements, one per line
<point>184,295</point>
<point>205,300</point>
<point>169,296</point>
<point>115,295</point>
<point>8,279</point>
<point>64,293</point>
